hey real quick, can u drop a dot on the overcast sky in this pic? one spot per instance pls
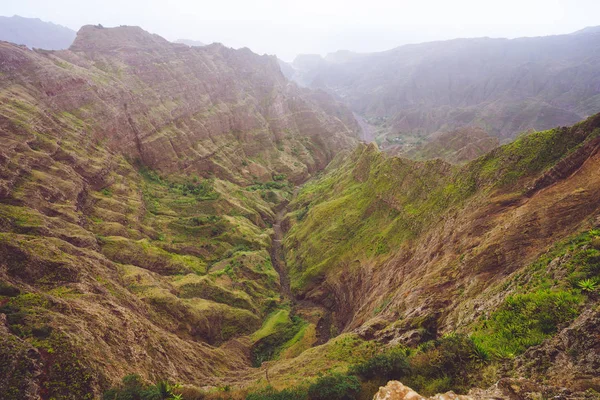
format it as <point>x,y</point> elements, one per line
<point>288,28</point>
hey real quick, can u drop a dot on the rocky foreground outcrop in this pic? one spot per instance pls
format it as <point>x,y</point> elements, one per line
<point>505,389</point>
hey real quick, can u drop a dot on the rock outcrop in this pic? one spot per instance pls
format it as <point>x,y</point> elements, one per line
<point>505,389</point>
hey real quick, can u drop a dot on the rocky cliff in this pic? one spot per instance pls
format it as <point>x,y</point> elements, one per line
<point>208,110</point>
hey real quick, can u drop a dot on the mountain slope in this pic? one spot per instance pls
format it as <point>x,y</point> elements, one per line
<point>203,110</point>
<point>502,86</point>
<point>138,187</point>
<point>403,251</point>
<point>460,145</point>
<point>34,33</point>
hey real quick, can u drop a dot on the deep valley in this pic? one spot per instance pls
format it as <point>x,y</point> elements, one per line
<point>186,222</point>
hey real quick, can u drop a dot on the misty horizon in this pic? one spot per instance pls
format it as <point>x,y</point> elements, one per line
<point>288,29</point>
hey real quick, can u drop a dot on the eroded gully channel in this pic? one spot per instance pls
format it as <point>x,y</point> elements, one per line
<point>308,310</point>
<point>277,254</point>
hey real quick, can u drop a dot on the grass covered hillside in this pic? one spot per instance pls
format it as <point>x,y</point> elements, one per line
<point>502,249</point>
<point>374,202</point>
<point>137,212</point>
<point>108,263</point>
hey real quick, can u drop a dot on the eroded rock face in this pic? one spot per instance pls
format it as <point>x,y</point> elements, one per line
<point>571,358</point>
<point>209,110</point>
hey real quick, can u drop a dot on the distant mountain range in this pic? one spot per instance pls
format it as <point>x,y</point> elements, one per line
<point>502,86</point>
<point>35,33</point>
<point>190,43</point>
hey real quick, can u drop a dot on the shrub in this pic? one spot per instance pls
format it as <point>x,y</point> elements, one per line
<point>335,387</point>
<point>388,366</point>
<point>269,393</point>
<point>588,285</point>
<point>132,388</point>
<point>300,215</point>
<point>444,364</point>
<point>8,290</point>
<point>268,348</point>
<point>525,320</point>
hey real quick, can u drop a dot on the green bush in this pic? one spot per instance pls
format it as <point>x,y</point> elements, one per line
<point>132,388</point>
<point>388,366</point>
<point>271,394</point>
<point>448,362</point>
<point>335,387</point>
<point>8,290</point>
<point>300,215</point>
<point>588,285</point>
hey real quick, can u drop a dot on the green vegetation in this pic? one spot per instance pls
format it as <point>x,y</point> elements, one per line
<point>546,299</point>
<point>6,289</point>
<point>200,189</point>
<point>528,154</point>
<point>268,185</point>
<point>328,387</point>
<point>453,362</point>
<point>588,285</point>
<point>525,320</point>
<point>386,366</point>
<point>279,332</point>
<point>296,393</point>
<point>368,204</point>
<point>334,387</point>
<point>366,197</point>
<point>133,388</point>
<point>579,261</point>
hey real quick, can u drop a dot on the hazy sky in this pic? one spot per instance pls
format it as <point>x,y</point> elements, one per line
<point>287,28</point>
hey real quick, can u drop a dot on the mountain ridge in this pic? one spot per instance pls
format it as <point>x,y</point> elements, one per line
<point>33,32</point>
<point>515,85</point>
